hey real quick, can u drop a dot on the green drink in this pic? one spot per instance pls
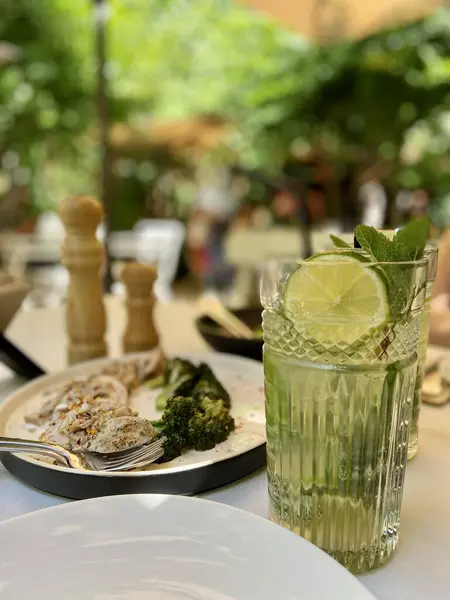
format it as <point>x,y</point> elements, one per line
<point>340,360</point>
<point>431,254</point>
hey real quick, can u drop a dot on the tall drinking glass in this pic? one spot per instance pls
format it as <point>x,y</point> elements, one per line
<point>339,390</point>
<point>431,254</point>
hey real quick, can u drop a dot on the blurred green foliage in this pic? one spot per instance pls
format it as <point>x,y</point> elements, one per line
<point>355,103</point>
<point>46,92</point>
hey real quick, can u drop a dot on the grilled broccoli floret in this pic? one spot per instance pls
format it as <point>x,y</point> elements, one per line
<point>180,377</point>
<point>174,424</point>
<point>211,424</point>
<point>189,422</point>
<point>208,386</point>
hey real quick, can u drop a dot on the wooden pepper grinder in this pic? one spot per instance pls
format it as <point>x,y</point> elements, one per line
<point>140,333</point>
<point>83,255</point>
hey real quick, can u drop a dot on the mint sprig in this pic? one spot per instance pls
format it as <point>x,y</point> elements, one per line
<point>408,244</point>
<point>375,243</point>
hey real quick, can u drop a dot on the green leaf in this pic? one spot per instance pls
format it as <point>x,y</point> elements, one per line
<point>374,242</point>
<point>398,278</point>
<point>338,242</point>
<point>409,242</point>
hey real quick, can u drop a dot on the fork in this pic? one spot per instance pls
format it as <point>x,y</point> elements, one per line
<point>89,461</point>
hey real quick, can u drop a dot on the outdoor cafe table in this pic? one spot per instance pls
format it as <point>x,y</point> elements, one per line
<point>420,567</point>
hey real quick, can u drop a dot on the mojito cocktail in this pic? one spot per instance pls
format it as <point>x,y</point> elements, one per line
<point>340,360</point>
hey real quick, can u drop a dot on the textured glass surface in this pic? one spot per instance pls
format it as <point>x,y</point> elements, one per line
<point>338,420</point>
<point>431,254</point>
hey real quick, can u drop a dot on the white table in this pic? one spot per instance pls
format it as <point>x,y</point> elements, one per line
<point>418,571</point>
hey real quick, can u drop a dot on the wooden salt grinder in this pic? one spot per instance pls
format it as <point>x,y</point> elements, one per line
<point>140,333</point>
<point>83,255</point>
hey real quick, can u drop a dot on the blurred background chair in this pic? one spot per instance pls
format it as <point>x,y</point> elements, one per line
<point>159,242</point>
<point>152,241</point>
<point>48,279</point>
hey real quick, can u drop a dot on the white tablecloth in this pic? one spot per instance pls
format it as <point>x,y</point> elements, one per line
<point>418,571</point>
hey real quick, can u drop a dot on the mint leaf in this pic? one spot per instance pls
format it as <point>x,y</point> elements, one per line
<point>338,242</point>
<point>409,242</point>
<point>374,242</point>
<point>398,279</point>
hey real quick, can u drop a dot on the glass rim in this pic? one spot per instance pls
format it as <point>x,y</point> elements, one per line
<point>421,262</point>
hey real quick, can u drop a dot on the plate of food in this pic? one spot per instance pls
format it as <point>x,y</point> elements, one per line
<point>209,408</point>
<point>159,547</point>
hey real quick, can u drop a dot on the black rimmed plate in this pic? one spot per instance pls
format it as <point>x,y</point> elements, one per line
<point>191,473</point>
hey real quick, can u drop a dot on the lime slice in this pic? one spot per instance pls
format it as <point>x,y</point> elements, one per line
<point>336,303</point>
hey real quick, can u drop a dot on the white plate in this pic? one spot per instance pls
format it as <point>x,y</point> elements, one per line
<point>243,378</point>
<point>156,547</point>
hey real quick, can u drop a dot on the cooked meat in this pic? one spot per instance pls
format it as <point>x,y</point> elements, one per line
<point>105,387</point>
<point>119,433</point>
<point>109,394</point>
<point>75,427</point>
<point>59,402</point>
<point>132,373</point>
<point>94,413</point>
<point>53,435</point>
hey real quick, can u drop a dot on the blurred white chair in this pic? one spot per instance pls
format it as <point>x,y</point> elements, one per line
<point>48,278</point>
<point>160,242</point>
<point>48,287</point>
<point>49,227</point>
<point>122,245</point>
